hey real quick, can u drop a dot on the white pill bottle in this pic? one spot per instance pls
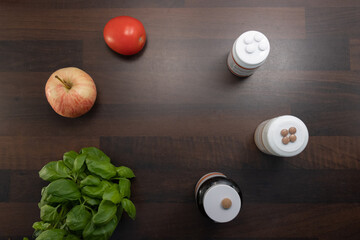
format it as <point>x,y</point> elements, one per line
<point>248,53</point>
<point>284,136</point>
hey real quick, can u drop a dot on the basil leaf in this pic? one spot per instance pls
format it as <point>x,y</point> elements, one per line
<point>112,194</point>
<point>95,152</point>
<point>48,213</point>
<point>69,158</point>
<point>40,225</point>
<point>106,212</point>
<point>53,234</point>
<point>71,237</point>
<point>90,181</point>
<point>119,212</point>
<point>88,230</point>
<point>96,191</point>
<point>104,232</point>
<point>78,217</point>
<point>79,163</point>
<point>63,189</point>
<point>124,187</point>
<point>91,201</point>
<point>124,172</point>
<point>100,168</point>
<point>129,207</point>
<point>54,170</point>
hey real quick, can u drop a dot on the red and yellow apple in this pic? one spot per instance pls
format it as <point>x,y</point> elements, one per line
<point>71,92</point>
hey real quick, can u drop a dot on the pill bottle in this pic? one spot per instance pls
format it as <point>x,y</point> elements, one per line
<point>284,136</point>
<point>248,53</point>
<point>218,197</point>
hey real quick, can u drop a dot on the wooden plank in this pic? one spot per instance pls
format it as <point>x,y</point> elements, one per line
<point>355,54</point>
<point>81,4</point>
<point>337,118</point>
<point>309,55</point>
<point>258,186</point>
<point>25,153</point>
<point>16,219</point>
<point>330,22</point>
<point>274,3</point>
<point>19,55</point>
<point>195,87</point>
<point>5,185</point>
<point>331,221</point>
<point>238,152</point>
<point>140,120</point>
<point>195,55</point>
<point>166,23</point>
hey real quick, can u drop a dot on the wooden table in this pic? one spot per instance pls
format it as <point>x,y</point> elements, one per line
<point>174,112</point>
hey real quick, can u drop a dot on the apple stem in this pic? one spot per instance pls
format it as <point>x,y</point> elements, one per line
<point>66,84</point>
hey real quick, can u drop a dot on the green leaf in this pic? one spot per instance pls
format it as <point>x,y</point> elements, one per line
<point>48,213</point>
<point>129,207</point>
<point>52,234</point>
<point>62,189</point>
<point>124,187</point>
<point>91,201</point>
<point>78,217</point>
<point>25,238</point>
<point>54,170</point>
<point>79,162</point>
<point>104,232</point>
<point>119,212</point>
<point>71,237</point>
<point>90,181</point>
<point>41,225</point>
<point>106,212</point>
<point>112,194</point>
<point>124,172</point>
<point>88,230</point>
<point>100,168</point>
<point>96,191</point>
<point>69,158</point>
<point>95,152</point>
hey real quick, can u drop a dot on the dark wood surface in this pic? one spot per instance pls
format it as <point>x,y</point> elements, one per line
<point>174,112</point>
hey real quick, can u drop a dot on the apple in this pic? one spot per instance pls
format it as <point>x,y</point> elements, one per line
<point>71,92</point>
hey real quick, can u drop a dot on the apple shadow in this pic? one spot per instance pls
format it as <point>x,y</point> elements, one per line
<point>129,58</point>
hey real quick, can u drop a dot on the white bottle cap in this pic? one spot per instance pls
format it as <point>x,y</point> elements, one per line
<point>222,203</point>
<point>251,49</point>
<point>274,138</point>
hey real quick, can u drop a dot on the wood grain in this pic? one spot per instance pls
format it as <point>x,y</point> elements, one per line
<point>174,112</point>
<point>330,22</point>
<point>37,56</point>
<point>265,3</point>
<point>355,54</point>
<point>160,23</point>
<point>258,186</point>
<point>31,153</point>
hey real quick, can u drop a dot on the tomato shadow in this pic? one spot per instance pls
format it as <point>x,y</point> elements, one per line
<point>129,58</point>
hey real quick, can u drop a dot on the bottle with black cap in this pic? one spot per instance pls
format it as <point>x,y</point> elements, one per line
<point>218,197</point>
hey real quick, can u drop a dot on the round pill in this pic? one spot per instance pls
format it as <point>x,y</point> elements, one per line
<point>292,138</point>
<point>263,46</point>
<point>292,130</point>
<point>248,40</point>
<point>284,132</point>
<point>250,49</point>
<point>226,203</point>
<point>285,140</point>
<point>258,37</point>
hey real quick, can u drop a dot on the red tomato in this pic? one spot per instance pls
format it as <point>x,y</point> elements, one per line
<point>125,35</point>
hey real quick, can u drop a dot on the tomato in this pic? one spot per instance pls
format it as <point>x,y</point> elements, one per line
<point>125,35</point>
